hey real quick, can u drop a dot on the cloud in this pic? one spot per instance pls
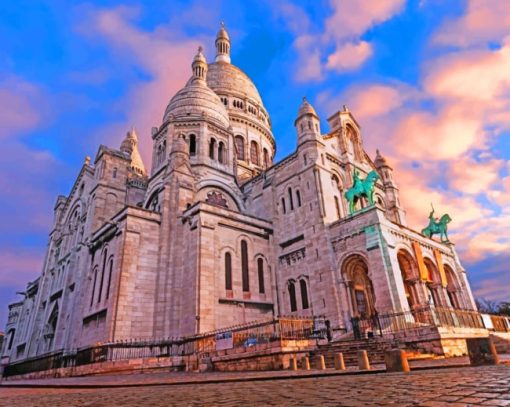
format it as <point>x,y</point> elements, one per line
<point>342,31</point>
<point>351,19</point>
<point>349,56</point>
<point>24,106</point>
<point>164,53</point>
<point>483,21</point>
<point>20,266</point>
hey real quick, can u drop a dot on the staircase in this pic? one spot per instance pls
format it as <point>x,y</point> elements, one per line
<point>375,348</point>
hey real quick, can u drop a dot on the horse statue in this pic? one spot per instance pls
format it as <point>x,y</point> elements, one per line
<point>361,188</point>
<point>439,227</point>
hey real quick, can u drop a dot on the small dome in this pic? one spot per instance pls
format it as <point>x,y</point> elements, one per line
<point>380,161</point>
<point>196,99</point>
<point>222,33</point>
<point>199,57</point>
<point>306,108</point>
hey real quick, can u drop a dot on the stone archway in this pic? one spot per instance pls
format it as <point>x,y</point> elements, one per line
<point>409,270</point>
<point>361,290</point>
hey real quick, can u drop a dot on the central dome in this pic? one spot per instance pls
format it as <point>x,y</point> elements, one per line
<point>223,77</point>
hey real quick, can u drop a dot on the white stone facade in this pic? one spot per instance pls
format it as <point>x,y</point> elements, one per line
<point>217,235</point>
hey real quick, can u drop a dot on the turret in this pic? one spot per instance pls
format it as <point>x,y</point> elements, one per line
<point>393,207</point>
<point>130,146</point>
<point>307,123</point>
<point>222,45</point>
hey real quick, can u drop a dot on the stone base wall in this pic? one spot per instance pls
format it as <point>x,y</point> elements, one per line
<point>502,341</point>
<point>448,342</point>
<point>121,366</point>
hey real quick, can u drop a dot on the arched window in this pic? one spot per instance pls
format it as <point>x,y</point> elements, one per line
<point>452,288</point>
<point>291,202</point>
<point>109,278</point>
<point>102,276</point>
<point>298,197</point>
<point>239,143</point>
<point>304,294</point>
<point>266,158</point>
<point>337,206</point>
<point>244,266</point>
<point>260,267</point>
<point>292,296</point>
<point>284,209</point>
<point>228,271</point>
<point>254,153</point>
<point>221,152</point>
<point>11,334</point>
<point>93,287</point>
<point>192,145</point>
<point>212,147</point>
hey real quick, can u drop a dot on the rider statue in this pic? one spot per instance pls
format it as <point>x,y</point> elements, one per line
<point>356,180</point>
<point>437,226</point>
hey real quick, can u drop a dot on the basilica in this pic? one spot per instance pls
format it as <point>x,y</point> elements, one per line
<point>216,233</point>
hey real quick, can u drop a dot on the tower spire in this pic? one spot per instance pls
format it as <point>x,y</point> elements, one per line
<point>222,45</point>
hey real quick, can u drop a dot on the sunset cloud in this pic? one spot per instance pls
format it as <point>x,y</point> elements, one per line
<point>164,53</point>
<point>342,30</point>
<point>483,21</point>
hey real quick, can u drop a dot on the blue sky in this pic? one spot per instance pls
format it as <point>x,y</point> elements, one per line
<point>427,80</point>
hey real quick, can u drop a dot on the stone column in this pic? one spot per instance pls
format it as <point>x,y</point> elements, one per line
<point>363,363</point>
<point>396,361</point>
<point>339,361</point>
<point>482,351</point>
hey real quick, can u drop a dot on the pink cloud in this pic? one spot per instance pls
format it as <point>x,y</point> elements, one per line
<point>349,56</point>
<point>471,76</point>
<point>351,19</point>
<point>483,21</point>
<point>23,106</point>
<point>342,30</point>
<point>164,53</point>
<point>19,266</point>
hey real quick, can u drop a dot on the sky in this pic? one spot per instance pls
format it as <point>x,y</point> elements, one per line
<point>428,81</point>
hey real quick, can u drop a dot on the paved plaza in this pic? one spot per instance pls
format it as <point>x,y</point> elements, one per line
<point>463,386</point>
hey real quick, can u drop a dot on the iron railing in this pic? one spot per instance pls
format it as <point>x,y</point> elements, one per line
<point>246,335</point>
<point>379,325</point>
<point>500,323</point>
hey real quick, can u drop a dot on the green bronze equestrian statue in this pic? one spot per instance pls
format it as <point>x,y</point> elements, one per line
<point>437,226</point>
<point>361,188</point>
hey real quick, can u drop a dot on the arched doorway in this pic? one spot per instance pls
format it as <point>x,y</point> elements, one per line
<point>361,291</point>
<point>409,271</point>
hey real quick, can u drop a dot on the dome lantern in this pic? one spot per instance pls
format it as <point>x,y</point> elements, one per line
<point>222,45</point>
<point>199,66</point>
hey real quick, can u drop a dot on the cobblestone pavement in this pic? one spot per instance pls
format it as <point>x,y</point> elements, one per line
<point>470,386</point>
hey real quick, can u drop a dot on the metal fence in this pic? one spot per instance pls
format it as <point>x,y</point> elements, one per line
<point>379,325</point>
<point>246,335</point>
<point>500,323</point>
